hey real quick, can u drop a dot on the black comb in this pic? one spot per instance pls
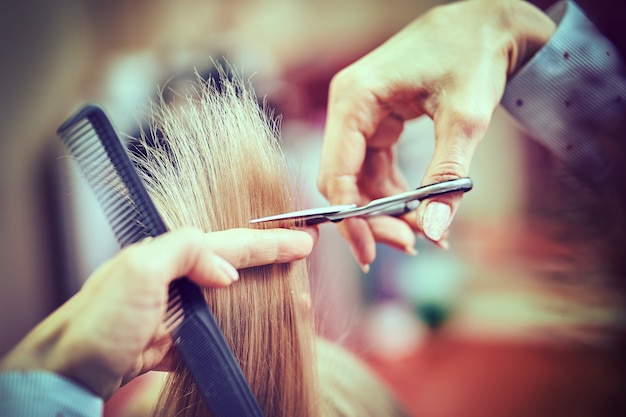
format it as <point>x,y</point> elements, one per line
<point>92,140</point>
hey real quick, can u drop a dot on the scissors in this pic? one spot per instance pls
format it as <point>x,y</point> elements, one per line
<point>394,205</point>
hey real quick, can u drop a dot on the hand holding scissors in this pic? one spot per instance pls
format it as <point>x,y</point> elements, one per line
<point>394,205</point>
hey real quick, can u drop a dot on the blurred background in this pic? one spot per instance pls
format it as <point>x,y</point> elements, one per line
<point>458,332</point>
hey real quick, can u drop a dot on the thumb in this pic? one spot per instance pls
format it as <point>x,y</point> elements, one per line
<point>458,133</point>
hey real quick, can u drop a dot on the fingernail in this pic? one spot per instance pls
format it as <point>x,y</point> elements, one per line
<point>365,268</point>
<point>313,231</point>
<point>410,250</point>
<point>436,220</point>
<point>230,271</point>
<point>444,244</point>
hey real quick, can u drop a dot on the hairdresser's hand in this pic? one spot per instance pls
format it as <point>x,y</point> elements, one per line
<point>451,65</point>
<point>112,330</point>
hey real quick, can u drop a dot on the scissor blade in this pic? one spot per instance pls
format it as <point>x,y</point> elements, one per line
<point>308,215</point>
<point>394,205</point>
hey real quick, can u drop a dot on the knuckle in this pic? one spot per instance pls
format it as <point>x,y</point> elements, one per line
<point>270,250</point>
<point>134,263</point>
<point>343,80</point>
<point>350,83</point>
<point>449,170</point>
<point>322,185</point>
<point>467,125</point>
<point>245,252</point>
<point>339,189</point>
<point>247,255</point>
<point>275,254</point>
<point>190,234</point>
<point>192,240</point>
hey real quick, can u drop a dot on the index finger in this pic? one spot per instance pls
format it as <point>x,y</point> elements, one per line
<point>354,114</point>
<point>206,257</point>
<point>245,248</point>
<point>357,162</point>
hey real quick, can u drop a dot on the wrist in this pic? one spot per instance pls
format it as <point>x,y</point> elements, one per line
<point>53,346</point>
<point>530,30</point>
<point>33,352</point>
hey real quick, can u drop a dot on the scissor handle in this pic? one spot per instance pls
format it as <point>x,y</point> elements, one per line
<point>403,203</point>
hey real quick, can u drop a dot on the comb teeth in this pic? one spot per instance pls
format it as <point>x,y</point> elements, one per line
<point>175,309</point>
<point>103,160</point>
<point>92,140</point>
<point>191,324</point>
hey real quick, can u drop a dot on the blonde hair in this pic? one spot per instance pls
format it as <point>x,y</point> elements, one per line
<point>348,388</point>
<point>215,164</point>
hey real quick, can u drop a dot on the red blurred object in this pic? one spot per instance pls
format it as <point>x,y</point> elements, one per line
<point>450,377</point>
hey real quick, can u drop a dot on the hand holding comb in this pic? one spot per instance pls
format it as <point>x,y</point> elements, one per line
<point>91,139</point>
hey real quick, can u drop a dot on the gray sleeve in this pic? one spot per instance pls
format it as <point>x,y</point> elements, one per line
<point>44,394</point>
<point>571,91</point>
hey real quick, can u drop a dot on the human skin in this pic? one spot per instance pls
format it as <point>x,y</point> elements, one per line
<point>450,64</point>
<point>112,330</point>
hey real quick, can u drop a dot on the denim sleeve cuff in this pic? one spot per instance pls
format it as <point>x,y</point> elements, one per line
<point>571,91</point>
<point>39,394</point>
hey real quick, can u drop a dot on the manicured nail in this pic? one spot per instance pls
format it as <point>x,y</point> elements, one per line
<point>444,244</point>
<point>436,220</point>
<point>365,268</point>
<point>410,250</point>
<point>230,271</point>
